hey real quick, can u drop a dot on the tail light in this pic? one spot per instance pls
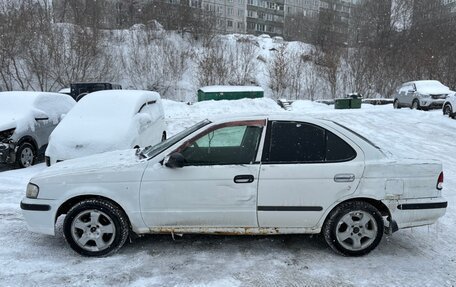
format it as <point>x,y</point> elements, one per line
<point>440,181</point>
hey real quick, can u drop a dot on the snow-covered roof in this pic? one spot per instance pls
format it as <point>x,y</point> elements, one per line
<point>18,109</point>
<point>225,89</point>
<point>65,91</point>
<point>431,87</point>
<point>113,103</point>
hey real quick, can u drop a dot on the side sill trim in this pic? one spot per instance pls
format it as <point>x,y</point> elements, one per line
<point>290,208</point>
<point>35,207</point>
<point>414,206</point>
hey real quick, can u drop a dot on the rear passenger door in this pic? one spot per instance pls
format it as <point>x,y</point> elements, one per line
<point>305,169</point>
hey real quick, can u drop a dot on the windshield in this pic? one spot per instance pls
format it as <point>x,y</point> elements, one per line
<point>152,151</point>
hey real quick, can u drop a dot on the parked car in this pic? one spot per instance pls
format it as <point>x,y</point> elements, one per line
<point>26,121</point>
<point>281,174</point>
<point>421,95</point>
<point>80,90</point>
<point>106,121</point>
<point>449,106</point>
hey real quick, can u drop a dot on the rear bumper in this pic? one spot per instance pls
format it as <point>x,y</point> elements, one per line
<point>416,212</point>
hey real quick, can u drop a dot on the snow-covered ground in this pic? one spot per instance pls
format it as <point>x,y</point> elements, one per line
<point>424,256</point>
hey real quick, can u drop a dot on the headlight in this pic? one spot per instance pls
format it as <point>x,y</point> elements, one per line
<point>32,191</point>
<point>5,135</point>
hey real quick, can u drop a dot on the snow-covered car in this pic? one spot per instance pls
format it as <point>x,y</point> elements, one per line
<point>277,174</point>
<point>449,106</point>
<point>106,121</point>
<point>421,95</point>
<point>26,121</point>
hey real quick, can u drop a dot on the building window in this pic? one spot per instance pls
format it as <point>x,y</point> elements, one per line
<point>229,24</point>
<point>229,11</point>
<point>240,13</point>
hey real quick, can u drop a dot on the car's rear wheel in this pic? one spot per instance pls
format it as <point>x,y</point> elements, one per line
<point>396,104</point>
<point>95,227</point>
<point>415,105</point>
<point>25,155</point>
<point>353,228</point>
<point>447,110</point>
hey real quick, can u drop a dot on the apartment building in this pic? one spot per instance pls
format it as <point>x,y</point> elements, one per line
<point>231,14</point>
<point>273,17</point>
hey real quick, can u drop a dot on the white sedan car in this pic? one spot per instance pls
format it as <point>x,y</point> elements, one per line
<point>282,174</point>
<point>106,121</point>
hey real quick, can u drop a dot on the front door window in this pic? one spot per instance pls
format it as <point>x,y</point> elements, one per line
<point>225,145</point>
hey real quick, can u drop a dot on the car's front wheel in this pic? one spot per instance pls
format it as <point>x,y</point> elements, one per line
<point>353,228</point>
<point>415,105</point>
<point>447,110</point>
<point>95,227</point>
<point>25,155</point>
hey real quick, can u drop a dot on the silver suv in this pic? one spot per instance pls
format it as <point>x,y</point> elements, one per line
<point>26,121</point>
<point>421,95</point>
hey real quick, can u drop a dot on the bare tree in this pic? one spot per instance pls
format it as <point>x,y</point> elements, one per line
<point>279,71</point>
<point>213,68</point>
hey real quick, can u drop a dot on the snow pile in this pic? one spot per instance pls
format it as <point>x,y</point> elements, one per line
<point>225,89</point>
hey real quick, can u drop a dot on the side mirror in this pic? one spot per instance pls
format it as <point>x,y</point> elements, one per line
<point>175,160</point>
<point>411,91</point>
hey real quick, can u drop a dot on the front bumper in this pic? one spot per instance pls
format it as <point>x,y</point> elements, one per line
<point>7,153</point>
<point>431,103</point>
<point>416,212</point>
<point>39,215</point>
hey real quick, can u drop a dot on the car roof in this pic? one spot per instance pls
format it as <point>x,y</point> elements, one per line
<point>284,116</point>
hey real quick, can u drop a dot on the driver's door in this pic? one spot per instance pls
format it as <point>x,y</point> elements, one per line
<point>217,187</point>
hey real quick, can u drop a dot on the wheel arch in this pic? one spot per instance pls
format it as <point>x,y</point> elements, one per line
<point>384,210</point>
<point>69,203</point>
<point>28,139</point>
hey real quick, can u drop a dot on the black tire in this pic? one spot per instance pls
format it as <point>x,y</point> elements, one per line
<point>415,105</point>
<point>448,111</point>
<point>102,225</point>
<point>163,136</point>
<point>396,104</point>
<point>366,226</point>
<point>25,155</point>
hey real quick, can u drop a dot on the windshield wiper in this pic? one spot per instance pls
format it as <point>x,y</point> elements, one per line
<point>139,153</point>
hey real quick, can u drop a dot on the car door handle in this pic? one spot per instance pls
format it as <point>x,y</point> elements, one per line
<point>344,177</point>
<point>243,178</point>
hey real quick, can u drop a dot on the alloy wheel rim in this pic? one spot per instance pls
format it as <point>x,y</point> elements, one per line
<point>356,230</point>
<point>93,230</point>
<point>27,157</point>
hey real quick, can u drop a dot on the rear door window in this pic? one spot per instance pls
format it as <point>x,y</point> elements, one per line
<point>297,142</point>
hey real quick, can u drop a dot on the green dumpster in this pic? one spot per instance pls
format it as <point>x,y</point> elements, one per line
<point>229,93</point>
<point>351,101</point>
<point>342,103</point>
